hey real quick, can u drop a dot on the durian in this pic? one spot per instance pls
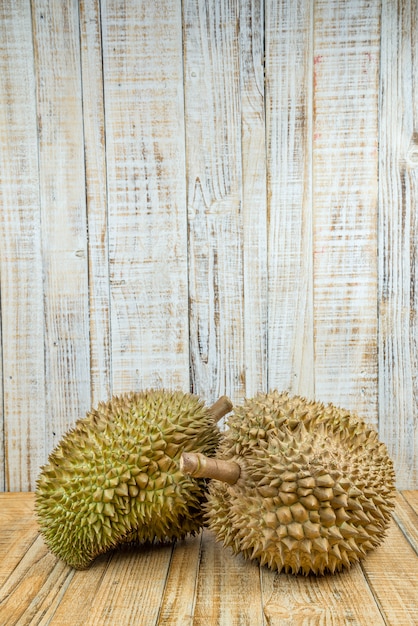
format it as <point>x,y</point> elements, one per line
<point>308,487</point>
<point>115,477</point>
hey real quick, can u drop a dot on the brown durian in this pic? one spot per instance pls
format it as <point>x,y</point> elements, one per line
<point>115,477</point>
<point>302,487</point>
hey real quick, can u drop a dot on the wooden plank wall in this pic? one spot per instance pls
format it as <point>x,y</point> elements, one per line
<point>213,195</point>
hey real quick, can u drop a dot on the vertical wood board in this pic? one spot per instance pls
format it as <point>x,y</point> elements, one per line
<point>63,214</point>
<point>254,194</point>
<point>214,197</point>
<point>20,257</point>
<point>398,238</point>
<point>142,56</point>
<point>289,50</point>
<point>96,199</point>
<point>346,69</point>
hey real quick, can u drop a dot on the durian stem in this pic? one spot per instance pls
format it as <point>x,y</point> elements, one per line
<point>200,466</point>
<point>220,408</point>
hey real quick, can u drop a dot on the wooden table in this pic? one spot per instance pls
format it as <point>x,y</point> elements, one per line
<point>198,582</point>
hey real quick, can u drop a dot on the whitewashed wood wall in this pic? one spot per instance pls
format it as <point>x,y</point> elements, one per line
<point>213,195</point>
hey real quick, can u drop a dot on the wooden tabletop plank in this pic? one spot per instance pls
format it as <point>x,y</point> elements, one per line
<point>392,573</point>
<point>228,589</point>
<point>406,517</point>
<point>80,591</point>
<point>32,584</point>
<point>178,601</point>
<point>131,588</point>
<point>18,530</point>
<point>412,498</point>
<point>338,599</point>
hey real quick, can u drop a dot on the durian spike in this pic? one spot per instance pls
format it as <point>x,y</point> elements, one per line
<point>221,407</point>
<point>200,466</point>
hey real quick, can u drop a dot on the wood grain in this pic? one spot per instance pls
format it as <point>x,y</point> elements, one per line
<point>18,530</point>
<point>391,574</point>
<point>214,197</point>
<point>131,588</point>
<point>81,587</point>
<point>412,499</point>
<point>22,309</point>
<point>220,571</point>
<point>63,214</point>
<point>96,199</point>
<point>143,78</point>
<point>398,237</point>
<point>339,599</point>
<point>35,581</point>
<point>197,581</point>
<point>346,72</point>
<point>289,62</point>
<point>254,193</point>
<point>406,517</point>
<point>178,600</point>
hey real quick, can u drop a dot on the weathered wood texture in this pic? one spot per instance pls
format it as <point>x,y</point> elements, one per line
<point>289,127</point>
<point>218,196</point>
<point>345,202</point>
<point>198,582</point>
<point>398,236</point>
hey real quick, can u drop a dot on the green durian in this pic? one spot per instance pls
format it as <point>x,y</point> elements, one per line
<point>308,487</point>
<point>115,478</point>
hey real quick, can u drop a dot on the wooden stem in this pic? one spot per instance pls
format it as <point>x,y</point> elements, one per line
<point>220,408</point>
<point>200,466</point>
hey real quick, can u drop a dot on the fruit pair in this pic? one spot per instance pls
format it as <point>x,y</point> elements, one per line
<point>297,485</point>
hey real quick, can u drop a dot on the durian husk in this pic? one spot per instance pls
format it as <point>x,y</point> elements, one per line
<point>115,479</point>
<point>315,487</point>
